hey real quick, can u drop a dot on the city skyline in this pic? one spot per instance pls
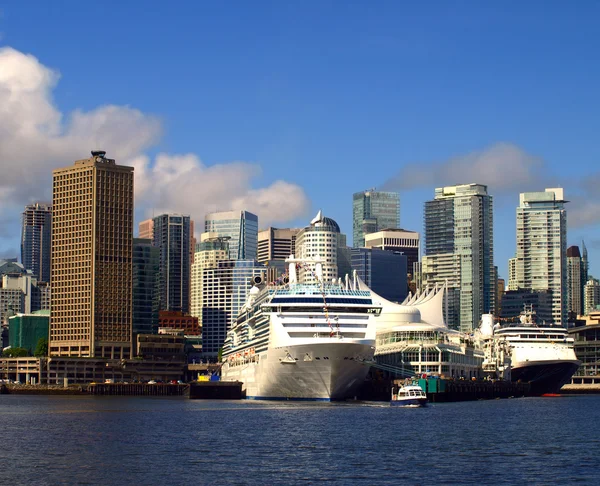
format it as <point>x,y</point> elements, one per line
<point>253,155</point>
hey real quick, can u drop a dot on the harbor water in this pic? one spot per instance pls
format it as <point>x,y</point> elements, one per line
<point>79,440</point>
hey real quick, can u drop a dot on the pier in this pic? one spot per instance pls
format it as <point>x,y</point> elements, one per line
<point>446,390</point>
<point>208,390</point>
<point>216,390</point>
<point>441,390</point>
<point>139,389</point>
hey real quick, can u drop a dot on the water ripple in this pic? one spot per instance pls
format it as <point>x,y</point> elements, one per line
<point>150,441</point>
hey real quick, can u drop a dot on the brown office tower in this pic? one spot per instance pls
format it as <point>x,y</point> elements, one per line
<point>91,275</point>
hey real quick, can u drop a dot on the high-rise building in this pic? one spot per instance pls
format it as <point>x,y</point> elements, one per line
<point>146,266</point>
<point>15,283</point>
<point>192,242</point>
<point>373,211</point>
<point>512,274</point>
<point>591,296</point>
<point>41,296</point>
<point>211,249</point>
<point>146,229</point>
<point>36,239</point>
<point>585,268</point>
<point>384,271</point>
<point>403,241</point>
<point>242,229</point>
<point>225,290</point>
<point>574,290</point>
<point>500,289</point>
<point>495,290</point>
<point>320,240</point>
<point>20,292</point>
<point>92,233</point>
<point>459,252</point>
<point>172,238</point>
<point>276,244</point>
<point>542,247</point>
<point>17,293</point>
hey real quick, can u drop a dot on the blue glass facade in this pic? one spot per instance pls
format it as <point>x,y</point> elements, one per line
<point>36,239</point>
<point>172,238</point>
<point>225,292</point>
<point>146,264</point>
<point>384,271</point>
<point>373,211</point>
<point>241,227</point>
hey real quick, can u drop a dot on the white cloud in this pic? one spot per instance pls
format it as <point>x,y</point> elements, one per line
<point>583,211</point>
<point>184,184</point>
<point>503,166</point>
<point>36,137</point>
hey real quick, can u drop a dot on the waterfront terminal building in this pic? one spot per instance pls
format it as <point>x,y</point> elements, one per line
<point>587,350</point>
<point>413,339</point>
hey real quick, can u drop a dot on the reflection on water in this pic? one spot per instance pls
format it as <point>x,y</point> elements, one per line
<point>159,441</point>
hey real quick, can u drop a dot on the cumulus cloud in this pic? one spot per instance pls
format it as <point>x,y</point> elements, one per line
<point>182,183</point>
<point>36,137</point>
<point>507,170</point>
<point>504,166</point>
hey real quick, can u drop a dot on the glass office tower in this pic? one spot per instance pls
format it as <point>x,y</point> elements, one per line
<point>36,239</point>
<point>146,265</point>
<point>242,229</point>
<point>384,271</point>
<point>225,290</point>
<point>373,211</point>
<point>172,237</point>
<point>459,252</point>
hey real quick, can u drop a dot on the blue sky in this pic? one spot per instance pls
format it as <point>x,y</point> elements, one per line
<point>329,97</point>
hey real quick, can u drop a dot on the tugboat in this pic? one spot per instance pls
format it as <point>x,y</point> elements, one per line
<point>409,396</point>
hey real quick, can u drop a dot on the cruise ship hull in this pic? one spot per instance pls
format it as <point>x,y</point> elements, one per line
<point>331,370</point>
<point>544,376</point>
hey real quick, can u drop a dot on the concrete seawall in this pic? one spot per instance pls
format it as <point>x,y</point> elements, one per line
<point>43,390</point>
<point>210,390</point>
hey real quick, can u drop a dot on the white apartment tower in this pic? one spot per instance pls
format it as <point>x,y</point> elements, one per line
<point>542,247</point>
<point>512,274</point>
<point>321,241</point>
<point>591,296</point>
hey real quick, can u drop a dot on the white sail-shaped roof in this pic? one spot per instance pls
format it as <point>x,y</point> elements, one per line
<point>432,308</point>
<point>425,310</point>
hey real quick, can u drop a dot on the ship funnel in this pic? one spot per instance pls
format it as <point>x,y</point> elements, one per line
<point>487,325</point>
<point>293,275</point>
<point>319,271</point>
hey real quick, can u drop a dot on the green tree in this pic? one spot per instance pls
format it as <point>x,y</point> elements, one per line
<point>41,349</point>
<point>15,352</point>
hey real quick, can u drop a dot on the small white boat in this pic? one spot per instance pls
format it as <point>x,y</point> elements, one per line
<point>409,396</point>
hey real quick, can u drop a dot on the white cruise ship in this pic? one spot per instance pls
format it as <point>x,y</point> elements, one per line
<point>302,341</point>
<point>542,355</point>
